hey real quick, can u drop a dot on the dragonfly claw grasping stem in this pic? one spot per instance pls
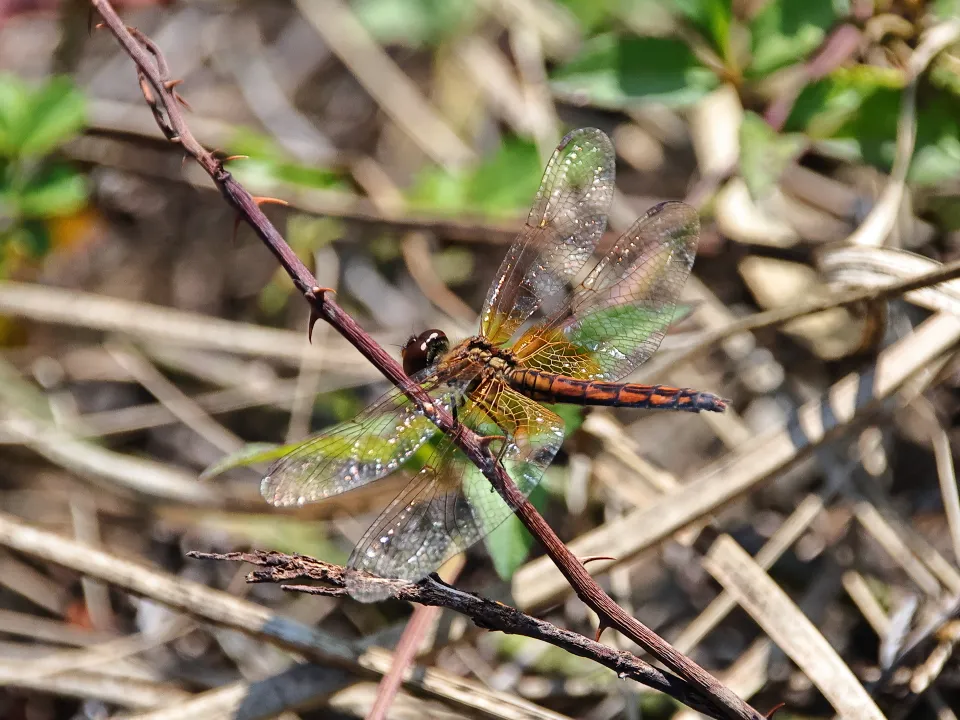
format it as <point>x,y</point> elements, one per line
<point>485,441</point>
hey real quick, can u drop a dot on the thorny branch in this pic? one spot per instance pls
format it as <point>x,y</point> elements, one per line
<point>486,614</point>
<point>160,94</point>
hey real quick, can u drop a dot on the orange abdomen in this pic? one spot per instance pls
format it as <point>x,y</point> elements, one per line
<point>549,387</point>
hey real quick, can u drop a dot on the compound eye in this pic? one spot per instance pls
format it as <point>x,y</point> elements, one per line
<point>423,350</point>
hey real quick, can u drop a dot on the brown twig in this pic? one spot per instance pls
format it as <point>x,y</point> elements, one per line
<point>166,107</point>
<point>488,614</point>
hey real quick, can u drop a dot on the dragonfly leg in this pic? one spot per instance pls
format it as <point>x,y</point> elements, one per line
<point>485,440</point>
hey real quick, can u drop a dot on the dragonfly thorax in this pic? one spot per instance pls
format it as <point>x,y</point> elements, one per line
<point>483,352</point>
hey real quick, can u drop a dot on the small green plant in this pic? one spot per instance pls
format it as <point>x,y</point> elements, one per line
<point>846,106</point>
<point>35,187</point>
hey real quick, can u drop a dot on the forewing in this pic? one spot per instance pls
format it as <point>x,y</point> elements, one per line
<point>568,217</point>
<point>450,505</point>
<point>618,316</point>
<point>349,455</point>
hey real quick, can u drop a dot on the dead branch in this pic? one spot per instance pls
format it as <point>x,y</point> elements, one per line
<point>487,614</point>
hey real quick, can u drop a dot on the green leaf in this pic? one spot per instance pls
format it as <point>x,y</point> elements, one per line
<point>318,178</point>
<point>572,416</point>
<point>506,181</point>
<point>857,109</point>
<point>267,171</point>
<point>765,153</point>
<point>713,18</point>
<point>509,544</point>
<point>267,163</point>
<point>593,14</point>
<point>502,184</point>
<point>616,71</point>
<point>8,195</point>
<point>786,31</point>
<point>946,9</point>
<point>826,106</point>
<point>937,156</point>
<point>57,113</point>
<point>414,23</point>
<point>53,192</point>
<point>14,111</point>
<point>434,189</point>
<point>943,74</point>
<point>32,238</point>
<point>251,454</point>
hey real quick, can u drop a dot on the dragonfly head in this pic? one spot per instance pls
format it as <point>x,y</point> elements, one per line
<point>423,350</point>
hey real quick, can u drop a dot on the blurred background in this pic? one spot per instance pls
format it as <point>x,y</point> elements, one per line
<point>144,335</point>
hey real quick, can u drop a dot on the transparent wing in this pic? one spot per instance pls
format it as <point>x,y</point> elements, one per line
<point>372,445</point>
<point>568,217</point>
<point>618,315</point>
<point>449,506</point>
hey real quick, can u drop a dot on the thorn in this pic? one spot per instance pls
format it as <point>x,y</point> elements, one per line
<point>171,84</point>
<point>775,708</point>
<point>99,26</point>
<point>314,316</point>
<point>175,139</point>
<point>315,293</point>
<point>600,628</point>
<point>260,200</point>
<point>591,558</point>
<point>231,158</point>
<point>179,99</point>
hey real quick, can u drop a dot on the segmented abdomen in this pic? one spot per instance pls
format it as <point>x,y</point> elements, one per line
<point>548,387</point>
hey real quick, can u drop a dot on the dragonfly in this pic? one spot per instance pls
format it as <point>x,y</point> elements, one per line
<point>541,340</point>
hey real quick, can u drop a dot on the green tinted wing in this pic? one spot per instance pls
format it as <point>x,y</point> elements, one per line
<point>349,455</point>
<point>622,309</point>
<point>618,315</point>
